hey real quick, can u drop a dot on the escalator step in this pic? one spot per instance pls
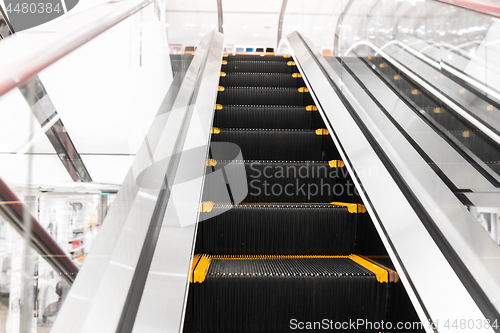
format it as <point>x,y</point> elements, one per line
<point>264,293</point>
<point>243,57</point>
<point>262,66</point>
<point>237,79</point>
<point>277,229</point>
<point>280,145</point>
<point>263,95</point>
<point>285,182</point>
<point>267,117</point>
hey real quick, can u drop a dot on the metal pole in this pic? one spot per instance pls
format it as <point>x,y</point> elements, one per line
<point>220,16</point>
<point>280,23</point>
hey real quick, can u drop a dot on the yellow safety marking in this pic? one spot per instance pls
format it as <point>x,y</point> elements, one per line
<point>224,62</point>
<point>461,90</point>
<point>218,107</point>
<point>215,130</point>
<point>489,108</point>
<point>393,275</point>
<point>296,75</point>
<point>336,164</point>
<point>303,89</point>
<point>383,65</point>
<point>351,207</point>
<point>322,131</point>
<point>397,77</point>
<point>206,206</point>
<point>225,54</point>
<point>222,74</point>
<point>211,162</point>
<point>414,92</point>
<point>274,256</point>
<point>437,110</point>
<point>311,108</point>
<point>220,88</point>
<point>381,274</point>
<point>465,134</point>
<point>286,56</point>
<point>201,269</point>
<point>194,262</point>
<point>203,262</point>
<point>370,58</point>
<point>290,63</point>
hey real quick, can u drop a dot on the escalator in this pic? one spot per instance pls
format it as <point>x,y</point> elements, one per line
<point>300,251</point>
<point>460,133</point>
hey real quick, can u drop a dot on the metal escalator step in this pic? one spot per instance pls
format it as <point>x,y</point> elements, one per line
<point>255,229</point>
<point>263,96</point>
<point>243,57</point>
<point>256,66</point>
<point>283,182</point>
<point>238,79</point>
<point>280,144</point>
<point>267,117</point>
<point>264,293</point>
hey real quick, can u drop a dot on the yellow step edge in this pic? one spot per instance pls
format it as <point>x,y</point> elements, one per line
<point>296,75</point>
<point>220,88</point>
<point>393,275</point>
<point>359,207</point>
<point>222,74</point>
<point>215,130</point>
<point>194,262</point>
<point>437,110</point>
<point>465,134</point>
<point>311,108</point>
<point>351,207</point>
<point>336,164</point>
<point>218,107</point>
<point>381,274</point>
<point>322,131</point>
<point>225,55</point>
<point>211,162</point>
<point>201,269</point>
<point>206,206</point>
<point>303,89</point>
<point>290,63</point>
<point>286,56</point>
<point>201,262</point>
<point>224,62</point>
<point>273,256</point>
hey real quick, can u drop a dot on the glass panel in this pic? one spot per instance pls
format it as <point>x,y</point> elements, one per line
<point>86,114</point>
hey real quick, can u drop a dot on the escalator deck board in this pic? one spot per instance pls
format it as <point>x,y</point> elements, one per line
<point>243,57</point>
<point>267,117</point>
<point>263,66</point>
<point>280,144</point>
<point>284,182</point>
<point>263,294</point>
<point>237,79</point>
<point>270,229</point>
<point>263,95</point>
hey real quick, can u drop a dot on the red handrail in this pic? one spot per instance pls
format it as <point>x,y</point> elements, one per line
<point>483,7</point>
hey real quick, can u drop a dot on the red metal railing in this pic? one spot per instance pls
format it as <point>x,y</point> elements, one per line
<point>487,7</point>
<point>13,210</point>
